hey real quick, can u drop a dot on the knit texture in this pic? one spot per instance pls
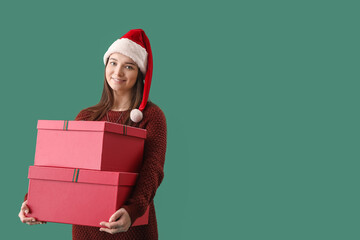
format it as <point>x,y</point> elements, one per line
<point>149,179</point>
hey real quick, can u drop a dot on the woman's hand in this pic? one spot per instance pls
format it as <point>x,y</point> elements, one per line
<point>119,222</point>
<point>28,220</point>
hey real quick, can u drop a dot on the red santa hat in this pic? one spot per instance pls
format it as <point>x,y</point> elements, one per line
<point>136,45</point>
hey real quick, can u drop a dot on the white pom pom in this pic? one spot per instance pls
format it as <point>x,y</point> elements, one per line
<point>136,115</point>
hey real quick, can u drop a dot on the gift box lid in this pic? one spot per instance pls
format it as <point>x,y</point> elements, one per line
<point>95,126</point>
<point>82,176</point>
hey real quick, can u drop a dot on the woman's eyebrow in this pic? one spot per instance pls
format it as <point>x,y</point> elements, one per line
<point>125,62</point>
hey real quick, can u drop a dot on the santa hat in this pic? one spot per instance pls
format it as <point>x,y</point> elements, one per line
<point>136,45</point>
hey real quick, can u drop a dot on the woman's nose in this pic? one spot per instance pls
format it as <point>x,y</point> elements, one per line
<point>119,71</point>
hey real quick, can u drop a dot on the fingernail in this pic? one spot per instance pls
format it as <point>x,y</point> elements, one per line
<point>33,220</point>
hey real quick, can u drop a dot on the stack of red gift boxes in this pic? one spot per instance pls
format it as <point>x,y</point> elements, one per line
<point>84,171</point>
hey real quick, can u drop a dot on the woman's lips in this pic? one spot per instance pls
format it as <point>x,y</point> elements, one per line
<point>118,80</point>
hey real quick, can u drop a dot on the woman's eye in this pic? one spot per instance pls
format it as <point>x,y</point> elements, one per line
<point>112,63</point>
<point>129,67</point>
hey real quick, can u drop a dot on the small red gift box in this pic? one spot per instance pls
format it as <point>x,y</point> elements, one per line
<point>90,145</point>
<point>78,196</point>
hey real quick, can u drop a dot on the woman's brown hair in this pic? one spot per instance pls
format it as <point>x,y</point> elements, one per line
<point>107,99</point>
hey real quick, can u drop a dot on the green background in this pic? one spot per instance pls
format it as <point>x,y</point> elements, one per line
<point>261,100</point>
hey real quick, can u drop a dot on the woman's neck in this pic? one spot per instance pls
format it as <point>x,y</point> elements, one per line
<point>121,101</point>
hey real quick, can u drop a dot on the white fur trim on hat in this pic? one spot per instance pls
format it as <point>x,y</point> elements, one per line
<point>136,115</point>
<point>131,49</point>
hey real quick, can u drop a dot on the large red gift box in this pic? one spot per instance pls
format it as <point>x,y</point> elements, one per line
<point>94,145</point>
<point>78,196</point>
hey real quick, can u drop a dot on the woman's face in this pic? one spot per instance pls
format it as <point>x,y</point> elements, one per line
<point>121,73</point>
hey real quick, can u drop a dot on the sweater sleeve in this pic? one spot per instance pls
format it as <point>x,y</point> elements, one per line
<point>152,170</point>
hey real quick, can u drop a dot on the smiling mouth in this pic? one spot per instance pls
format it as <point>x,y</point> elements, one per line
<point>118,80</point>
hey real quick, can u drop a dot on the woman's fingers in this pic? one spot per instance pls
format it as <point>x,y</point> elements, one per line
<point>119,222</point>
<point>113,227</point>
<point>35,222</point>
<point>25,208</point>
<point>116,215</point>
<point>109,225</point>
<point>30,220</point>
<point>111,231</point>
<point>25,219</point>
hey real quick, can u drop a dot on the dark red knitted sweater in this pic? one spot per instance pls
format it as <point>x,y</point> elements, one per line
<point>150,177</point>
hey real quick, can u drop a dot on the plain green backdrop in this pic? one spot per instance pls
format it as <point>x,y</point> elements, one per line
<point>261,100</point>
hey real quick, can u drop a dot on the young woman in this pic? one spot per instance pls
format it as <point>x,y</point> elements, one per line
<point>125,100</point>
